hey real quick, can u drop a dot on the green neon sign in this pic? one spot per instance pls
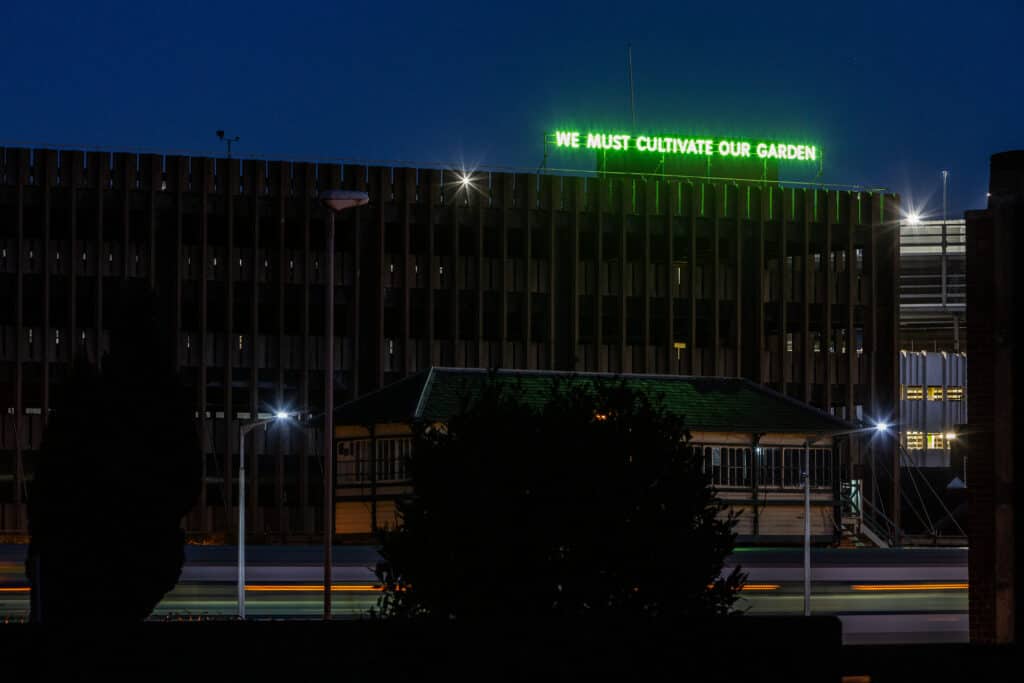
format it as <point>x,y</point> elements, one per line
<point>684,146</point>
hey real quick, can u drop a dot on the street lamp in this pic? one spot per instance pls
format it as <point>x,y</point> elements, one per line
<point>806,476</point>
<point>244,429</point>
<point>335,201</point>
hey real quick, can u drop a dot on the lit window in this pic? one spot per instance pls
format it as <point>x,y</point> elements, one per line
<point>914,393</point>
<point>914,441</point>
<point>934,393</point>
<point>954,393</point>
<point>936,441</point>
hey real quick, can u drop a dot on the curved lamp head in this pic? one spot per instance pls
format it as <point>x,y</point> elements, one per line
<point>339,200</point>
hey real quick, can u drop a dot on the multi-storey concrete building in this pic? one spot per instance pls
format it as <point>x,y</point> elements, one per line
<point>933,289</point>
<point>933,404</point>
<point>791,287</point>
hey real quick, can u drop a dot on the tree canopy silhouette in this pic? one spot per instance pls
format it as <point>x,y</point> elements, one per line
<point>119,466</point>
<point>588,503</point>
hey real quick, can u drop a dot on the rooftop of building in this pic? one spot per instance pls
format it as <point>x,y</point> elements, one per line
<point>722,404</point>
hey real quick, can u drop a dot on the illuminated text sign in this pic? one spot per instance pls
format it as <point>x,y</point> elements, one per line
<point>691,146</point>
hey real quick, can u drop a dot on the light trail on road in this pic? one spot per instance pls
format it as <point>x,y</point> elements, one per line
<point>880,595</point>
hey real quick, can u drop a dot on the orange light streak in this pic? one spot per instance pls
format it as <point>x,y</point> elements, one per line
<point>896,587</point>
<point>290,588</point>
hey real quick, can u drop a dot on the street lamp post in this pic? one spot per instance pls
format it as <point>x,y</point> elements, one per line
<point>335,201</point>
<point>806,476</point>
<point>242,431</point>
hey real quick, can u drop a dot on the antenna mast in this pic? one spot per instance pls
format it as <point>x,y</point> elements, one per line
<point>629,63</point>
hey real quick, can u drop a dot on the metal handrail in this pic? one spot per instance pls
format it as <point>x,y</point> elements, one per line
<point>886,530</point>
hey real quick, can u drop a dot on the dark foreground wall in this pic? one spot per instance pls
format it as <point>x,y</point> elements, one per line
<point>733,649</point>
<point>995,291</point>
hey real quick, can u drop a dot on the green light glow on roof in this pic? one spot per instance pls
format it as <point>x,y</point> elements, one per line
<point>684,146</point>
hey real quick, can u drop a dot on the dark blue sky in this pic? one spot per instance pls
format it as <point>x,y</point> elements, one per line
<point>894,92</point>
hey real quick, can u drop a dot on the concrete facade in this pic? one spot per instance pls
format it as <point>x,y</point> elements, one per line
<point>933,404</point>
<point>791,287</point>
<point>933,294</point>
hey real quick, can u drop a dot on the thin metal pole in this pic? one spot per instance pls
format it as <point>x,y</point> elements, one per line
<point>632,105</point>
<point>241,522</point>
<point>897,487</point>
<point>807,528</point>
<point>945,185</point>
<point>328,446</point>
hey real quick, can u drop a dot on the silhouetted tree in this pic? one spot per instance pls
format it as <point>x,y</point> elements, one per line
<point>586,503</point>
<point>118,468</point>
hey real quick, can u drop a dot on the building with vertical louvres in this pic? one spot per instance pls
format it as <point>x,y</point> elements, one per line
<point>790,287</point>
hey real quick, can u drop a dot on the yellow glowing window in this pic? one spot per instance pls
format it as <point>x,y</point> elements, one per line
<point>934,393</point>
<point>914,393</point>
<point>936,441</point>
<point>954,393</point>
<point>915,441</point>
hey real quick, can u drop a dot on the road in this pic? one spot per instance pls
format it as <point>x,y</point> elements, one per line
<point>881,595</point>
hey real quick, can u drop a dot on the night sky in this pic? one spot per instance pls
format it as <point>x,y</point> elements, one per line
<point>893,92</point>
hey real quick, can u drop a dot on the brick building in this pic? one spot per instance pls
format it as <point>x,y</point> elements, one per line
<point>994,293</point>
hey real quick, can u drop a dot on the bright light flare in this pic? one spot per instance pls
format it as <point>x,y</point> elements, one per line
<point>882,426</point>
<point>950,436</point>
<point>465,181</point>
<point>913,218</point>
<point>281,415</point>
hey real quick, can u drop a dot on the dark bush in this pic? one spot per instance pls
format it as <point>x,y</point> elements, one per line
<point>585,502</point>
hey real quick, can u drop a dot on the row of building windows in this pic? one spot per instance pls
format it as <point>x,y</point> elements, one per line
<point>916,441</point>
<point>389,461</point>
<point>733,467</point>
<point>728,466</point>
<point>934,393</point>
